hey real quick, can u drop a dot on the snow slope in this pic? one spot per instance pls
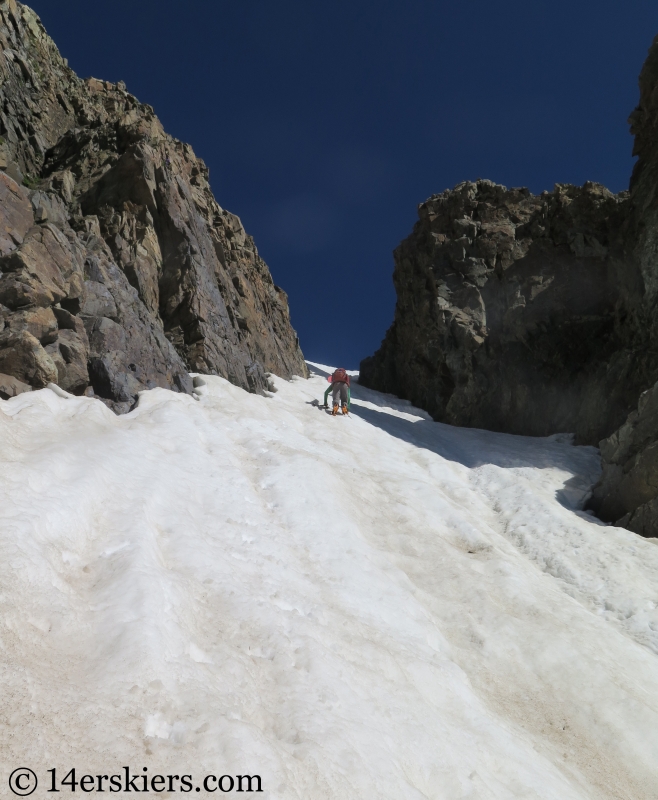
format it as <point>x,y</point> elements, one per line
<point>378,606</point>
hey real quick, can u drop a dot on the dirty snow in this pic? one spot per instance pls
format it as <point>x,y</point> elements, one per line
<point>376,606</point>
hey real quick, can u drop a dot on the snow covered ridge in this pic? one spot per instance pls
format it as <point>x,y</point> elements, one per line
<point>370,606</point>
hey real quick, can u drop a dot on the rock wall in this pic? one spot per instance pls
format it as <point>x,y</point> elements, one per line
<point>628,491</point>
<point>511,310</point>
<point>118,269</point>
<point>538,314</point>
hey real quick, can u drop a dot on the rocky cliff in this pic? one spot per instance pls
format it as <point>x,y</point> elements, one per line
<point>628,491</point>
<point>510,311</point>
<point>118,269</point>
<point>537,314</point>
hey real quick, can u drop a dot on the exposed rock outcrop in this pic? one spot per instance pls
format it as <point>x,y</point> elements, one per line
<point>627,493</point>
<point>10,387</point>
<point>118,269</point>
<point>511,311</point>
<point>535,315</point>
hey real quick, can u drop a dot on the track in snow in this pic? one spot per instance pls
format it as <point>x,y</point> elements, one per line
<point>387,608</point>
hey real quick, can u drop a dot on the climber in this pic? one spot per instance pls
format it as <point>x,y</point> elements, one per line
<point>340,382</point>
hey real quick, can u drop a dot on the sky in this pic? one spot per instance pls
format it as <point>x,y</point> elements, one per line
<point>324,125</point>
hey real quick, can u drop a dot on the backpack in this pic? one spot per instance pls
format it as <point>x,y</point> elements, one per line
<point>339,376</point>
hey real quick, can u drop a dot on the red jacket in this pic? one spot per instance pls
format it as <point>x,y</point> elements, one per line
<point>339,376</point>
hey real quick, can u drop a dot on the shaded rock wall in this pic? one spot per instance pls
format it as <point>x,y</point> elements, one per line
<point>628,491</point>
<point>118,269</point>
<point>512,311</point>
<point>535,315</point>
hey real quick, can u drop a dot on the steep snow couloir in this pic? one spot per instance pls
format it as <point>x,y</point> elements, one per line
<point>370,606</point>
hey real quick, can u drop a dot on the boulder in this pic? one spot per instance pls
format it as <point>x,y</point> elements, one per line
<point>40,322</point>
<point>11,387</point>
<point>70,354</point>
<point>111,380</point>
<point>23,357</point>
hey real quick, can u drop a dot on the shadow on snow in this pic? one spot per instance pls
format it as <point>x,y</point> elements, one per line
<point>473,447</point>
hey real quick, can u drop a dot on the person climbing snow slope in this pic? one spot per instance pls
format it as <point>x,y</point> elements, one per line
<point>340,381</point>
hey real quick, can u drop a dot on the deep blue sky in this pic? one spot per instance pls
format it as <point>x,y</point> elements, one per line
<point>324,124</point>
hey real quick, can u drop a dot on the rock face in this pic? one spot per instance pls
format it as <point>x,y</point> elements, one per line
<point>510,311</point>
<point>10,387</point>
<point>118,269</point>
<point>534,315</point>
<point>627,493</point>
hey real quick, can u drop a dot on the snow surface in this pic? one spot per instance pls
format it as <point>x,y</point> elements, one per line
<point>376,606</point>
